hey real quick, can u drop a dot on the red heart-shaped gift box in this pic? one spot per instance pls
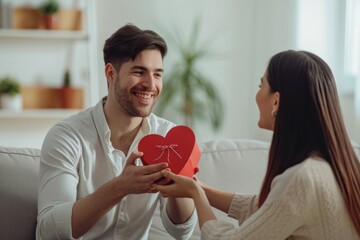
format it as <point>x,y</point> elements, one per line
<point>178,148</point>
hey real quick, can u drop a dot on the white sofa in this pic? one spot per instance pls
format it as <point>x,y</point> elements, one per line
<point>233,165</point>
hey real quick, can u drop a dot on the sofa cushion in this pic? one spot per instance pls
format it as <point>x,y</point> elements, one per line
<point>18,191</point>
<point>220,160</point>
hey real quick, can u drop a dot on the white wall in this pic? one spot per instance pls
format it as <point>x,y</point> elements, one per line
<point>24,133</point>
<point>246,32</point>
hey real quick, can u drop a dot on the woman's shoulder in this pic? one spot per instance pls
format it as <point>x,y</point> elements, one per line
<point>315,169</point>
<point>311,174</point>
<point>307,168</point>
<point>308,178</point>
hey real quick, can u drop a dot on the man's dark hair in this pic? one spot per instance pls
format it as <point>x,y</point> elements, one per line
<point>128,41</point>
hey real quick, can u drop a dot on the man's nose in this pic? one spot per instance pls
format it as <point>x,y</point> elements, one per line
<point>149,80</point>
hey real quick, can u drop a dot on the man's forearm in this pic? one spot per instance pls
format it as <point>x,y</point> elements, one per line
<point>180,209</point>
<point>87,211</point>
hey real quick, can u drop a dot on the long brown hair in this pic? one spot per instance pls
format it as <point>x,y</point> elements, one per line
<point>309,121</point>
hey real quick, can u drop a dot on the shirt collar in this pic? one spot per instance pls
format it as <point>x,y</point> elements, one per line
<point>100,120</point>
<point>145,129</point>
<point>104,130</point>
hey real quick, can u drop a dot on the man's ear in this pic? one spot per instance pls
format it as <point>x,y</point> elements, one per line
<point>110,72</point>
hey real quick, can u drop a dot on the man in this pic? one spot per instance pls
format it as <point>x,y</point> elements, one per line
<point>92,182</point>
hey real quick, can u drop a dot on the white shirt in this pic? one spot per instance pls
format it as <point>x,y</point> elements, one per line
<point>77,157</point>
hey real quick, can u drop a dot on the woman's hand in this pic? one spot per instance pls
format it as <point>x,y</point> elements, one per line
<point>180,187</point>
<point>202,185</point>
<point>187,187</point>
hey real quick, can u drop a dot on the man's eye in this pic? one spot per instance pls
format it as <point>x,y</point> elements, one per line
<point>259,85</point>
<point>138,73</point>
<point>158,75</point>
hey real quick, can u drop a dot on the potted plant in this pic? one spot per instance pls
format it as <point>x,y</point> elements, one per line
<point>10,94</point>
<point>49,10</point>
<point>71,97</point>
<point>186,89</point>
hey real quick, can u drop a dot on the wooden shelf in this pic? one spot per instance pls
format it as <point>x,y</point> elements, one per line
<point>64,43</point>
<point>42,34</point>
<point>38,113</point>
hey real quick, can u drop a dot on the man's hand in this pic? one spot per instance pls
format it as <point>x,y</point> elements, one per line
<point>138,179</point>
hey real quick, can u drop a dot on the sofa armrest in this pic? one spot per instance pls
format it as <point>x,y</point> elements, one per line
<point>19,171</point>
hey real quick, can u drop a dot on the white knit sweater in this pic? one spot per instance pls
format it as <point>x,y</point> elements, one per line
<point>304,203</point>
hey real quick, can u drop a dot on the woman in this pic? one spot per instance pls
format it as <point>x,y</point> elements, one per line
<point>311,189</point>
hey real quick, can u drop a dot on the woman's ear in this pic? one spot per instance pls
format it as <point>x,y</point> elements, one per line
<point>276,104</point>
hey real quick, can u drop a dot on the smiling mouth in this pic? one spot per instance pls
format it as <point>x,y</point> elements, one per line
<point>144,96</point>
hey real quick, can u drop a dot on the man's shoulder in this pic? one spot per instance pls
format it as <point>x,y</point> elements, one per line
<point>153,117</point>
<point>159,125</point>
<point>71,130</point>
<point>79,117</point>
<point>74,123</point>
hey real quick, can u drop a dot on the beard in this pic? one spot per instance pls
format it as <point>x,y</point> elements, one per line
<point>124,100</point>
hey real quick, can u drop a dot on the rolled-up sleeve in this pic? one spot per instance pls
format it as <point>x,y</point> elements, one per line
<point>178,231</point>
<point>54,222</point>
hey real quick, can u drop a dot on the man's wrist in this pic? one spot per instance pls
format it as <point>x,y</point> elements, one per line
<point>113,190</point>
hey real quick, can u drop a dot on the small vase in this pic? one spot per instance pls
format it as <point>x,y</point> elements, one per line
<point>13,103</point>
<point>51,21</point>
<point>72,97</point>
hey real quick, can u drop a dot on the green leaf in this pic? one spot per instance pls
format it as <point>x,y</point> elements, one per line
<point>49,7</point>
<point>187,86</point>
<point>10,86</point>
